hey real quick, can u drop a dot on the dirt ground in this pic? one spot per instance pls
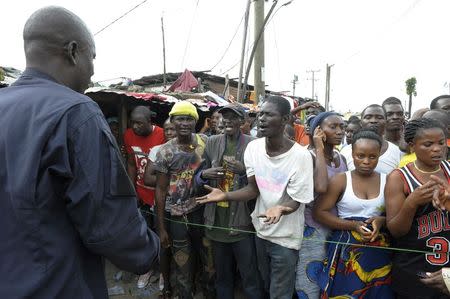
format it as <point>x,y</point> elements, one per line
<point>128,282</point>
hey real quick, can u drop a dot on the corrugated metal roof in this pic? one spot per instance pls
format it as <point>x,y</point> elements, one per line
<point>203,101</point>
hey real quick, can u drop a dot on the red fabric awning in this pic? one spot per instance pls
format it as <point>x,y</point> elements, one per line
<point>185,82</point>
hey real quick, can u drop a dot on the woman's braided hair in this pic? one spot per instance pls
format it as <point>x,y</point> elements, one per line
<point>414,126</point>
<point>367,134</point>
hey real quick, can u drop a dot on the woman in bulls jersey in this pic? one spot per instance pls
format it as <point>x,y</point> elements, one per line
<point>413,220</point>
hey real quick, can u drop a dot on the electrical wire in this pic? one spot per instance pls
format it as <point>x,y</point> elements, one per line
<point>251,46</point>
<point>189,35</point>
<point>120,17</point>
<point>229,44</point>
<point>278,52</point>
<point>99,81</point>
<point>404,14</point>
<point>237,62</point>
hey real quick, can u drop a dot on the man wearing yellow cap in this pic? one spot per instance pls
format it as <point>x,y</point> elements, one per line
<point>175,165</point>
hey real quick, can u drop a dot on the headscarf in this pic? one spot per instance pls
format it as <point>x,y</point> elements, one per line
<point>318,119</point>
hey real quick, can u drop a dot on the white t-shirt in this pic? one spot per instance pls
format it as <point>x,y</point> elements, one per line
<point>386,163</point>
<point>289,175</point>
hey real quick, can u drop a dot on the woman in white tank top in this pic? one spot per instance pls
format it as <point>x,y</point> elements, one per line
<point>356,271</point>
<point>350,205</point>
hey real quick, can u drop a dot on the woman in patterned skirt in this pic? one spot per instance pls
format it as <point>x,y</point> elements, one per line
<point>328,131</point>
<point>355,267</point>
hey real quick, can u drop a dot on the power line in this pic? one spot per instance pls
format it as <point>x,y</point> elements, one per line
<point>229,44</point>
<point>278,52</point>
<point>237,62</point>
<point>110,79</point>
<point>120,17</point>
<point>250,46</point>
<point>189,35</point>
<point>313,80</point>
<point>382,31</point>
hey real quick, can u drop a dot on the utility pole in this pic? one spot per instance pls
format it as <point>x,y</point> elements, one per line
<point>244,40</point>
<point>259,54</point>
<point>259,68</point>
<point>257,38</point>
<point>294,82</point>
<point>226,90</point>
<point>164,52</point>
<point>327,87</point>
<point>313,72</point>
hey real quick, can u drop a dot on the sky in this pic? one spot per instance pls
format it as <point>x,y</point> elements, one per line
<point>374,46</point>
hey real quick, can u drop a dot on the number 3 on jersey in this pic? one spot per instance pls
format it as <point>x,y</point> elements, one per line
<point>440,247</point>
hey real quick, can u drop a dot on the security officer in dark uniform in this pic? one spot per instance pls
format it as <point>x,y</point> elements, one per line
<point>65,198</point>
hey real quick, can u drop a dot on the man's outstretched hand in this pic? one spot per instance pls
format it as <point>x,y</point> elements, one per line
<point>216,195</point>
<point>273,214</point>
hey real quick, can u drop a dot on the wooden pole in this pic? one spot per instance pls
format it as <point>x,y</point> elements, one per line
<point>244,40</point>
<point>258,35</point>
<point>164,53</point>
<point>258,71</point>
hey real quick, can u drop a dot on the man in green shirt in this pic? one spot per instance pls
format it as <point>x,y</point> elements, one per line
<point>223,167</point>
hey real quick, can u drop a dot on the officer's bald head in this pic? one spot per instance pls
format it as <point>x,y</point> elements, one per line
<point>58,42</point>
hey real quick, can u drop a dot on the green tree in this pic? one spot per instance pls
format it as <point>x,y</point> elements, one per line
<point>2,74</point>
<point>411,91</point>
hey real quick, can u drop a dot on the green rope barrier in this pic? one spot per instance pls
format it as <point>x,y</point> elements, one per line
<point>304,238</point>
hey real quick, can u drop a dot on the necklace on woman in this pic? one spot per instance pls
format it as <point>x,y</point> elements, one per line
<point>330,159</point>
<point>423,171</point>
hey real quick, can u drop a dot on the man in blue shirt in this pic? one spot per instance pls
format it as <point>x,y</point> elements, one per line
<point>65,198</point>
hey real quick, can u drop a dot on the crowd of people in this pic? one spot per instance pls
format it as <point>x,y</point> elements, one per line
<point>317,210</point>
<point>314,206</point>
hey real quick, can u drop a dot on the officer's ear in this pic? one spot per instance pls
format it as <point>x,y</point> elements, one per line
<point>71,52</point>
